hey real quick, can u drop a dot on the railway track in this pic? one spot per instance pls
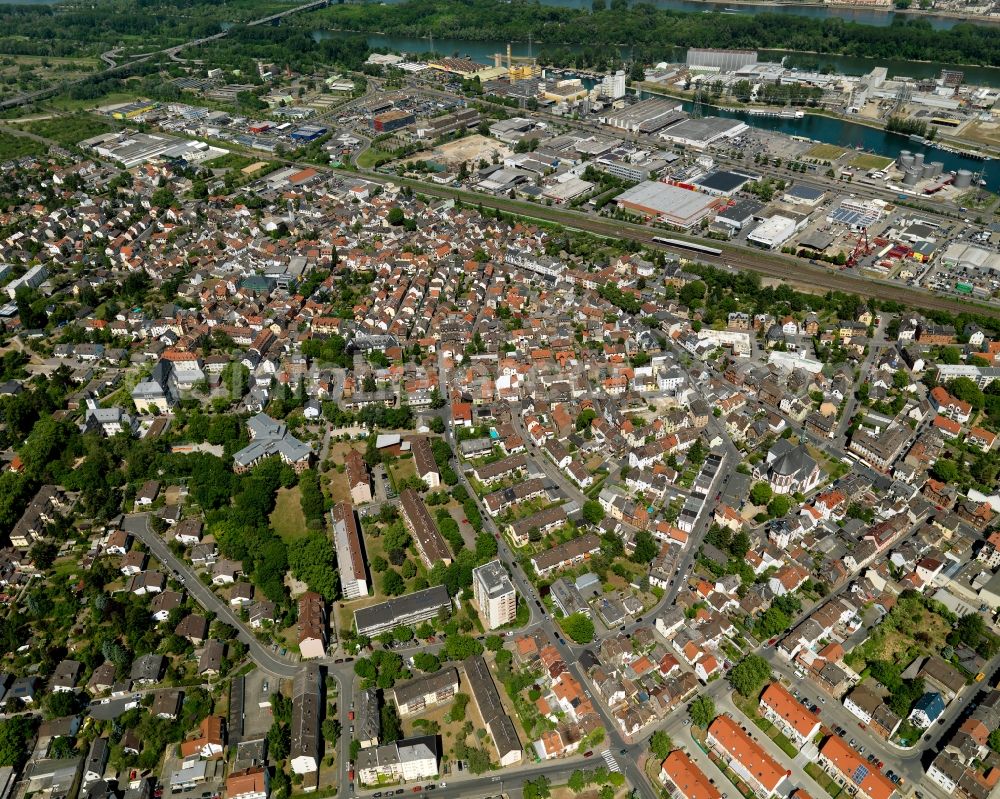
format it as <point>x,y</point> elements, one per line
<point>766,264</point>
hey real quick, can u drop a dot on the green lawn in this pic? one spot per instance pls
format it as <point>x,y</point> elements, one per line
<point>825,152</point>
<point>823,780</point>
<point>372,158</point>
<point>287,519</point>
<point>869,161</point>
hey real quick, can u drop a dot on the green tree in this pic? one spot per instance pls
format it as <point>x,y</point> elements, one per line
<point>396,216</point>
<point>945,470</point>
<point>392,727</point>
<point>459,647</point>
<point>779,506</point>
<point>427,662</point>
<point>761,494</point>
<point>702,711</point>
<point>660,744</point>
<point>646,547</point>
<point>578,627</point>
<point>593,512</point>
<point>749,675</point>
<point>279,741</point>
<point>15,735</point>
<point>392,583</point>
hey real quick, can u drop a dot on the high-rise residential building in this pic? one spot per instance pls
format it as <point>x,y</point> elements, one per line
<point>495,594</point>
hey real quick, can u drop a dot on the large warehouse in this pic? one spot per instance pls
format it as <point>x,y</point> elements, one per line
<point>968,256</point>
<point>700,133</point>
<point>646,116</point>
<point>773,232</point>
<point>674,205</point>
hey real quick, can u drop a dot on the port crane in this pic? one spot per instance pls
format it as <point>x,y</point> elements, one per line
<point>862,248</point>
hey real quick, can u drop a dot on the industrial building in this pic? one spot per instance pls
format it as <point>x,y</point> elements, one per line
<point>495,594</point>
<point>739,215</point>
<point>721,60</point>
<point>308,133</point>
<point>467,68</point>
<point>392,120</point>
<point>674,205</point>
<point>773,232</point>
<point>646,116</point>
<point>803,194</point>
<point>968,256</point>
<point>701,133</point>
<point>613,86</point>
<point>131,148</point>
<point>634,172</point>
<point>449,123</point>
<point>722,183</point>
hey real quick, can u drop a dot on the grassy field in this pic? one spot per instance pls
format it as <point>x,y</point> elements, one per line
<point>869,161</point>
<point>69,130</point>
<point>339,490</point>
<point>13,146</point>
<point>825,152</point>
<point>372,157</point>
<point>400,469</point>
<point>231,161</point>
<point>287,518</point>
<point>983,133</point>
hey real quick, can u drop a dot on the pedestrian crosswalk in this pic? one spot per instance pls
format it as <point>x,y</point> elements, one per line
<point>610,760</point>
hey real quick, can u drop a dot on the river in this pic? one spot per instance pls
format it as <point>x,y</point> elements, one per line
<point>849,134</point>
<point>843,65</point>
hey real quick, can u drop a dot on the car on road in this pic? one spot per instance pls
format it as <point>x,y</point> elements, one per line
<point>417,788</point>
<point>589,753</point>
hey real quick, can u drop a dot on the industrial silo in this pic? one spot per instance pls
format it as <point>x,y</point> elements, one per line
<point>911,176</point>
<point>905,159</point>
<point>963,179</point>
<point>938,168</point>
<point>928,171</point>
<point>918,161</point>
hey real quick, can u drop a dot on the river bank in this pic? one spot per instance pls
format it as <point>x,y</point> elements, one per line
<point>963,147</point>
<point>918,13</point>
